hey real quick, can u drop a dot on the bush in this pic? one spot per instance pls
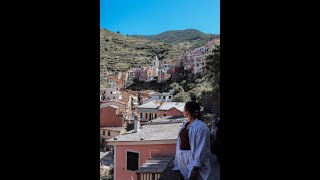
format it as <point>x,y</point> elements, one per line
<point>109,175</point>
<point>207,118</point>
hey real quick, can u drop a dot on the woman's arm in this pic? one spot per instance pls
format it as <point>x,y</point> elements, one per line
<point>201,147</point>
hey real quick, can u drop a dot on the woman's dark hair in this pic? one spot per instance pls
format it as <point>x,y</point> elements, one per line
<point>194,109</point>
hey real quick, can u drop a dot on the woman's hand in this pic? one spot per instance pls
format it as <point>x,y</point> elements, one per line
<point>194,173</point>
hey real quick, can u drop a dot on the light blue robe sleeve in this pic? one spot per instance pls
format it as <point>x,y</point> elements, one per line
<point>201,148</point>
<point>176,162</point>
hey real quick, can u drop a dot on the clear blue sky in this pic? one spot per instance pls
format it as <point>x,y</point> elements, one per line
<point>148,17</point>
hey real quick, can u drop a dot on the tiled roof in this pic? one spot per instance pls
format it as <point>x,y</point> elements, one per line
<point>119,129</point>
<point>106,104</point>
<point>102,154</point>
<point>168,105</point>
<point>149,105</point>
<point>114,106</point>
<point>180,108</point>
<point>158,129</point>
<point>160,94</point>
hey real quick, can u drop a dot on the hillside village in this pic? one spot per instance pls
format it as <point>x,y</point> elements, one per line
<point>138,129</point>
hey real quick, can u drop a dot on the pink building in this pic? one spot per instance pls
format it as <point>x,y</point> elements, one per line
<point>115,81</point>
<point>175,112</point>
<point>144,153</point>
<point>111,116</point>
<point>141,74</point>
<point>171,109</point>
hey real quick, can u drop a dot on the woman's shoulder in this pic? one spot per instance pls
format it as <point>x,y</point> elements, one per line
<point>201,125</point>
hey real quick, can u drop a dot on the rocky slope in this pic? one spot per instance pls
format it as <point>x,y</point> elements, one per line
<point>119,52</point>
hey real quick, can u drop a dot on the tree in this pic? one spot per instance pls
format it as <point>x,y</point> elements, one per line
<point>213,64</point>
<point>176,88</point>
<point>182,97</point>
<point>111,171</point>
<point>109,175</point>
<point>199,89</point>
<point>108,85</point>
<point>211,100</point>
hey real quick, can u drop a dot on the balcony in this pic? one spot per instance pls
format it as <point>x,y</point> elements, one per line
<point>160,169</point>
<point>153,168</point>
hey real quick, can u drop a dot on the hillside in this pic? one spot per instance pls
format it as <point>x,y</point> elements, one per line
<point>119,52</point>
<point>189,38</point>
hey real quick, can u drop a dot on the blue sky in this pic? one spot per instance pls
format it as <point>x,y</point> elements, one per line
<point>148,17</point>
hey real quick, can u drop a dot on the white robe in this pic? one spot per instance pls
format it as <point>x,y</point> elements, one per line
<point>198,156</point>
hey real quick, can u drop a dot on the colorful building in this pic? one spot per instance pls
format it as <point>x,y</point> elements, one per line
<point>148,111</point>
<point>111,116</point>
<point>145,152</point>
<point>171,109</point>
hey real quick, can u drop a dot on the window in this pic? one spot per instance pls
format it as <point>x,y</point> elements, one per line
<point>141,115</point>
<point>155,116</point>
<point>103,133</point>
<point>169,97</point>
<point>159,97</point>
<point>114,97</point>
<point>146,115</point>
<point>164,115</point>
<point>111,92</point>
<point>132,161</point>
<point>109,133</point>
<point>164,97</point>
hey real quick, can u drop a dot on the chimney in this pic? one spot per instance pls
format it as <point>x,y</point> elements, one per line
<point>136,124</point>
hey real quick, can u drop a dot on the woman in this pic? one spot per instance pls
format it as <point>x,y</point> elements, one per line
<point>193,145</point>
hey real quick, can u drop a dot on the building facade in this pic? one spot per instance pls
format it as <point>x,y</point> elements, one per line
<point>148,111</point>
<point>111,116</point>
<point>134,149</point>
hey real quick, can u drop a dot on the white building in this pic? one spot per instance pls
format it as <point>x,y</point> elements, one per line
<point>112,94</point>
<point>165,97</point>
<point>165,67</point>
<point>155,67</point>
<point>132,74</point>
<point>113,83</point>
<point>155,96</point>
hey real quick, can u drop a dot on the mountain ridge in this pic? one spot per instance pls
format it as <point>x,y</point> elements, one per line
<point>188,38</point>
